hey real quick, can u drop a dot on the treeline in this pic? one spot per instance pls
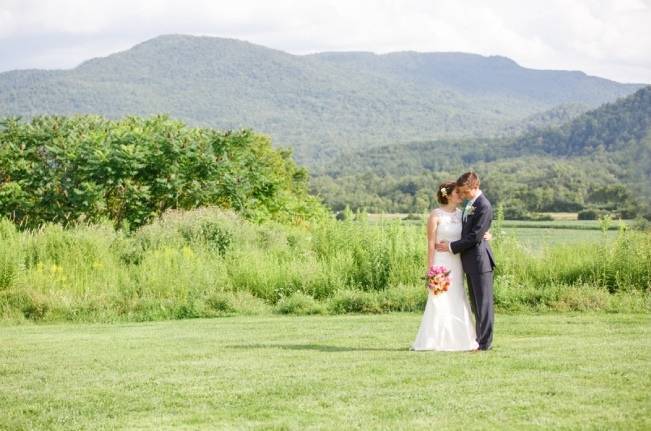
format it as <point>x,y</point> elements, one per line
<point>404,179</point>
<point>599,163</point>
<point>88,168</point>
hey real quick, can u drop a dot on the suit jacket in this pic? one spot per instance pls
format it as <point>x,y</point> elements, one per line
<point>476,254</point>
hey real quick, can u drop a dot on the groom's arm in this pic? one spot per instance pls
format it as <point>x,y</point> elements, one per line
<point>475,234</point>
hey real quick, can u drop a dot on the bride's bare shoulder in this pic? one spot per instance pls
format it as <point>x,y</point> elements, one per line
<point>434,213</point>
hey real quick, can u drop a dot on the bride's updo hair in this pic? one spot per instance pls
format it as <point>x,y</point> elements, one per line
<point>444,191</point>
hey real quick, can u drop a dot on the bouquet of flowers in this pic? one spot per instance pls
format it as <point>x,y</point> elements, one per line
<point>438,279</point>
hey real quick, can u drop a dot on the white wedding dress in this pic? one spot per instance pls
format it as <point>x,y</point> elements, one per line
<point>447,323</point>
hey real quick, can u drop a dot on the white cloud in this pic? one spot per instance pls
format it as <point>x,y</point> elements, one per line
<point>6,23</point>
<point>609,38</point>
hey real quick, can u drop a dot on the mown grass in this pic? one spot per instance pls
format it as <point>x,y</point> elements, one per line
<point>550,371</point>
<point>208,263</point>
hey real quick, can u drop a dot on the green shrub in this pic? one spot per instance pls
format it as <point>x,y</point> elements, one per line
<point>172,269</point>
<point>582,298</point>
<point>299,303</point>
<point>87,168</point>
<point>8,268</point>
<point>220,303</point>
<point>354,301</point>
<point>33,305</point>
<point>589,214</point>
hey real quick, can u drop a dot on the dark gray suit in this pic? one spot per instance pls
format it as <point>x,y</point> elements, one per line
<point>478,263</point>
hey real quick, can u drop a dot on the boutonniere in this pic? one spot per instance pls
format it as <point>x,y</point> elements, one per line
<point>470,210</point>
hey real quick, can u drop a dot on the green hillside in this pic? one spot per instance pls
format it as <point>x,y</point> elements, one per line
<point>484,78</point>
<point>317,104</point>
<point>612,127</point>
<point>599,160</point>
<point>554,117</point>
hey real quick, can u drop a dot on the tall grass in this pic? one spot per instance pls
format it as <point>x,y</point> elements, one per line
<point>210,262</point>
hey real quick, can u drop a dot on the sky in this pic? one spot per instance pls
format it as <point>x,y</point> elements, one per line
<point>607,38</point>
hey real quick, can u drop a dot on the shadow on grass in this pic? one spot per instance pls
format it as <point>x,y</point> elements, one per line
<point>317,347</point>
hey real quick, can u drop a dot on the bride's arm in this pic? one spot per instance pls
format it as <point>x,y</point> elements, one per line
<point>432,222</point>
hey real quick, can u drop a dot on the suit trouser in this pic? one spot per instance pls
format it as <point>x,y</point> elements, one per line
<point>480,286</point>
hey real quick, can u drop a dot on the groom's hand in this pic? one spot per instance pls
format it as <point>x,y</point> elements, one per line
<point>442,246</point>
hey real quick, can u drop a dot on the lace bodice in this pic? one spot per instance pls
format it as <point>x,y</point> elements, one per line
<point>449,225</point>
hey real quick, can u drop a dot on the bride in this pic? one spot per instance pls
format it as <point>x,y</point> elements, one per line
<point>447,323</point>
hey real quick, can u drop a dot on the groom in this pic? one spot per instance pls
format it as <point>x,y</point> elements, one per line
<point>476,255</point>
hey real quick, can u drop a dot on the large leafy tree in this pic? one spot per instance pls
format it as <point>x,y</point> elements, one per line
<point>65,169</point>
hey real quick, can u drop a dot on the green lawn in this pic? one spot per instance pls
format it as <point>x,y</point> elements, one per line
<point>551,371</point>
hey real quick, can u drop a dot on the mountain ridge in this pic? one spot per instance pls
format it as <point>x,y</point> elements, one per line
<point>312,102</point>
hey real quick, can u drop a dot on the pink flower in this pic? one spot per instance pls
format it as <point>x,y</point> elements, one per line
<point>438,279</point>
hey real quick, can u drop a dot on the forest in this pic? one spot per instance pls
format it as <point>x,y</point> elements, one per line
<point>598,163</point>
